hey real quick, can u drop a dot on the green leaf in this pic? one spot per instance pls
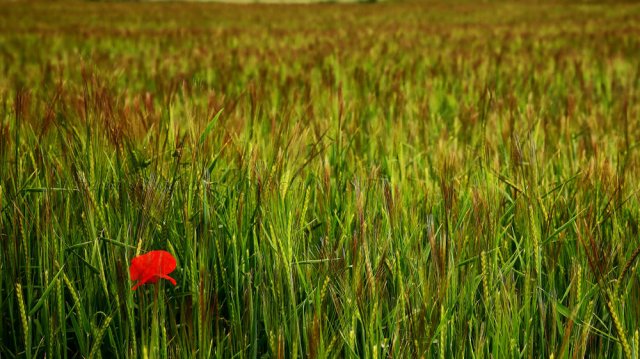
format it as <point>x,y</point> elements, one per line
<point>45,294</point>
<point>209,127</point>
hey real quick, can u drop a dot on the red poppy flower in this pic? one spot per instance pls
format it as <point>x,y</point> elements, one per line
<point>150,267</point>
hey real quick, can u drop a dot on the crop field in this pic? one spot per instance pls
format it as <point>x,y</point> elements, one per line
<point>400,179</point>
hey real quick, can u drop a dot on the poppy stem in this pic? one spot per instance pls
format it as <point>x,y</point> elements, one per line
<point>163,324</point>
<point>155,323</point>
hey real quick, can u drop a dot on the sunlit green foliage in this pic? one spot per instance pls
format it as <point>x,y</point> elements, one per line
<point>387,180</point>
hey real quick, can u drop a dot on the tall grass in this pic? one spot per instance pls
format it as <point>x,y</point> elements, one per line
<point>392,180</point>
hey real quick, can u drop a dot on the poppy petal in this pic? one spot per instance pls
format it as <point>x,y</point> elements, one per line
<point>150,267</point>
<point>173,281</point>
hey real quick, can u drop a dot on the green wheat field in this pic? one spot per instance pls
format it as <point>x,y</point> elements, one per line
<point>376,180</point>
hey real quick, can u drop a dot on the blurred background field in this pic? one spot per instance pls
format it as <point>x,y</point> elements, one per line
<point>398,179</point>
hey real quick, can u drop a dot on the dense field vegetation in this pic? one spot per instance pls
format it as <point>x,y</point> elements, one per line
<point>389,180</point>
